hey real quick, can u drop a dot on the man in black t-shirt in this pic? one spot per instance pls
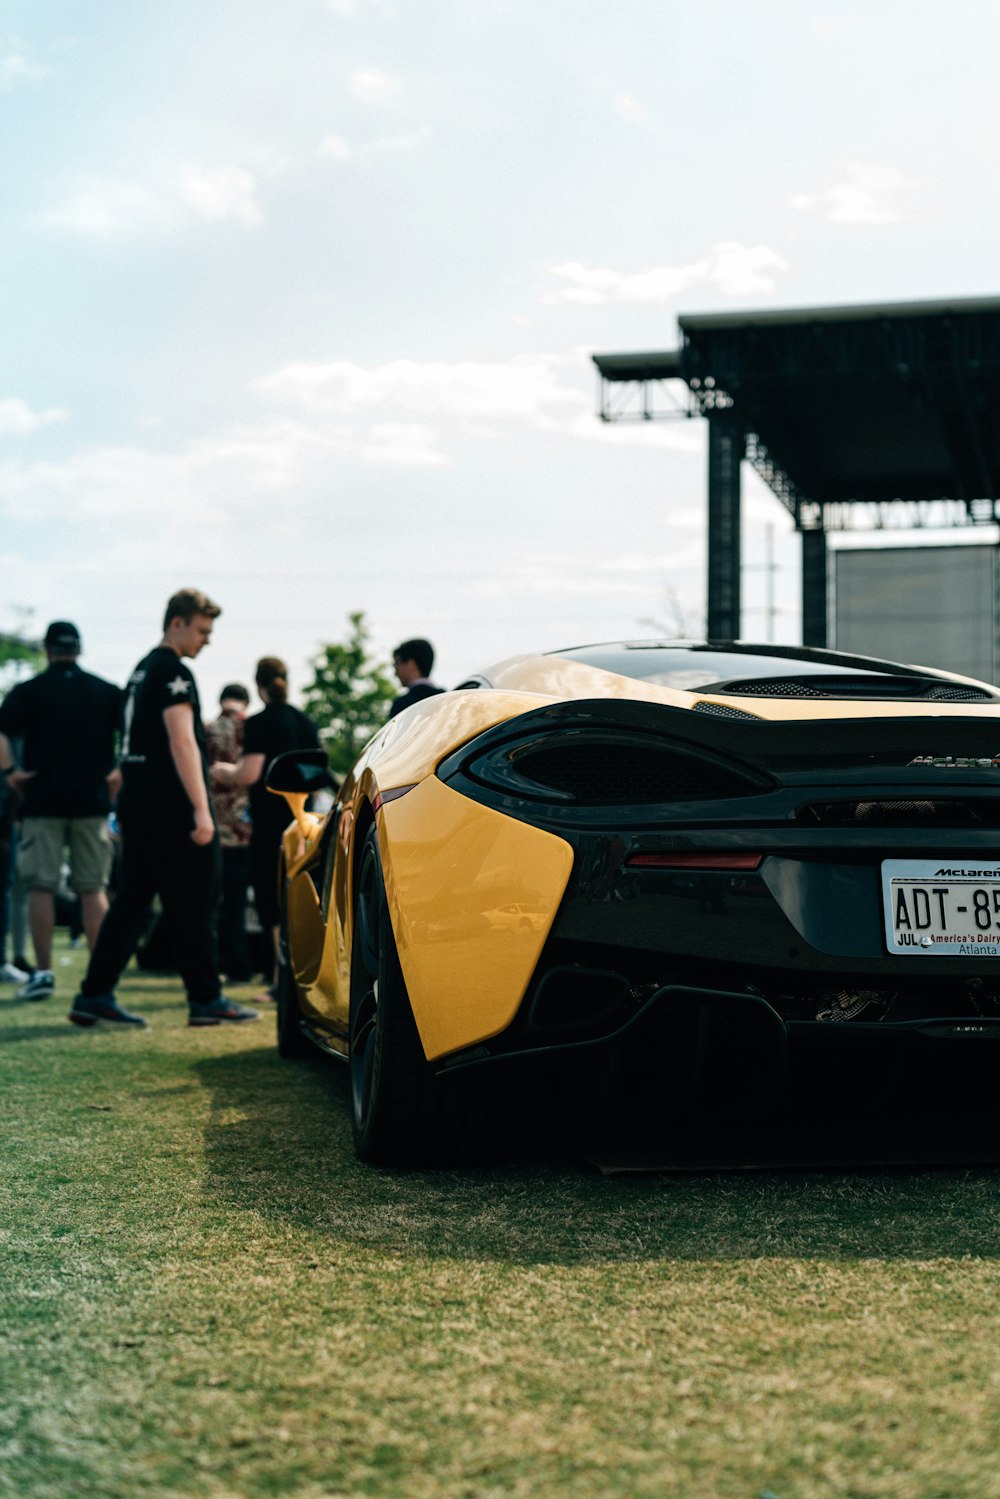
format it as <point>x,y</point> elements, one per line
<point>67,720</point>
<point>170,846</point>
<point>278,728</point>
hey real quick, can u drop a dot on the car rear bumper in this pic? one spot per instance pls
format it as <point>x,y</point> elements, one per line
<point>722,1057</point>
<point>734,992</point>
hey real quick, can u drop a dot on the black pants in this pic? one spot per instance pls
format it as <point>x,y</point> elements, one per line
<point>160,859</point>
<point>234,953</point>
<point>265,846</point>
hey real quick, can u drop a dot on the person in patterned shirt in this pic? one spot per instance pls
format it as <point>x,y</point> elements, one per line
<point>224,737</point>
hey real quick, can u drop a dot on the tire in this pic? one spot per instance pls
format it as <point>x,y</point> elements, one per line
<point>292,1043</point>
<point>397,1110</point>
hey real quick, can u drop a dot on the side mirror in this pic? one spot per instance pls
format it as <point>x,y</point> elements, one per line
<point>299,773</point>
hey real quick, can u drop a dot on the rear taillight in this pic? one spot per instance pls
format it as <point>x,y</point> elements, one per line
<point>695,861</point>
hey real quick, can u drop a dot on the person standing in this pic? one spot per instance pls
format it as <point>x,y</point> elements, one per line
<point>67,719</point>
<point>413,662</point>
<point>277,728</point>
<point>10,806</point>
<point>225,744</point>
<point>170,846</point>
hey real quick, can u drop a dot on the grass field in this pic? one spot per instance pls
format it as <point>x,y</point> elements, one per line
<point>203,1294</point>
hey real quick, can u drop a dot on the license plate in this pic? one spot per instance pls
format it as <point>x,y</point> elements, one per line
<point>939,910</point>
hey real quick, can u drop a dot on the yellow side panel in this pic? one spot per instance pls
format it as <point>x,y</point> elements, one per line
<point>306,921</point>
<point>298,849</point>
<point>472,896</point>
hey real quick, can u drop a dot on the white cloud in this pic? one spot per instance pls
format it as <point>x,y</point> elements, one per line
<point>394,414</point>
<point>225,193</point>
<point>208,485</point>
<point>16,66</point>
<point>102,208</point>
<point>833,28</point>
<point>744,270</point>
<point>336,148</point>
<point>592,576</point>
<point>631,109</point>
<point>370,86</point>
<point>18,420</point>
<point>869,194</point>
<point>733,269</point>
<point>408,444</point>
<point>348,9</point>
<point>396,143</point>
<point>527,388</point>
<point>465,398</point>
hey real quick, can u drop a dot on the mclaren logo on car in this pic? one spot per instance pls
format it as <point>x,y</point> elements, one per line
<point>957,762</point>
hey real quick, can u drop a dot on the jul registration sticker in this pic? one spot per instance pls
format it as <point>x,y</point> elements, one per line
<point>935,909</point>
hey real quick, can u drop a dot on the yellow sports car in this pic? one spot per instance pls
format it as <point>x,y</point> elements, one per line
<point>680,879</point>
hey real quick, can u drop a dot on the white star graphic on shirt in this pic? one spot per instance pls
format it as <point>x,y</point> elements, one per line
<point>178,685</point>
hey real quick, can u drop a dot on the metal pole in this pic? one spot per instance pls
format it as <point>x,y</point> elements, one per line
<point>815,594</point>
<point>726,445</point>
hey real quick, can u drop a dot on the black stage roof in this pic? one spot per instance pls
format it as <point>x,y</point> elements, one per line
<point>862,403</point>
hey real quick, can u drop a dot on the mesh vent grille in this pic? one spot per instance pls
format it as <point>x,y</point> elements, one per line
<point>902,814</point>
<point>718,710</point>
<point>795,687</point>
<point>958,695</point>
<point>854,1004</point>
<point>628,775</point>
<point>775,687</point>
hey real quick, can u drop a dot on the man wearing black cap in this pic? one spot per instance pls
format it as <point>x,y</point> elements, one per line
<point>67,720</point>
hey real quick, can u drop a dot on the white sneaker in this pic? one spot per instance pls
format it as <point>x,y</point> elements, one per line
<point>11,975</point>
<point>41,985</point>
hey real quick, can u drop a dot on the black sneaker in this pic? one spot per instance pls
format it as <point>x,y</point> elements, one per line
<point>221,1011</point>
<point>41,985</point>
<point>88,1009</point>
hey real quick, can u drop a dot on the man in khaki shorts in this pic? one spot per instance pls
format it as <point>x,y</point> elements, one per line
<point>67,719</point>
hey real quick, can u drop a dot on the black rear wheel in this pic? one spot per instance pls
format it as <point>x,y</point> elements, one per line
<point>397,1109</point>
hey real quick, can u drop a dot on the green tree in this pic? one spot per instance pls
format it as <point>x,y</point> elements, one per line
<point>349,695</point>
<point>19,658</point>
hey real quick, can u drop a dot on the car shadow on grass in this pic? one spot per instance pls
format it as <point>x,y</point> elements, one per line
<point>278,1144</point>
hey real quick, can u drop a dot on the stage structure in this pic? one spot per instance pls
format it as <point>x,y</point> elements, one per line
<point>872,417</point>
<point>932,604</point>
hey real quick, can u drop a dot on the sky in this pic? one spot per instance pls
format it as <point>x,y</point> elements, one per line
<point>298,298</point>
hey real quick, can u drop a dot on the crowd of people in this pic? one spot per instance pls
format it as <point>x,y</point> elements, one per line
<point>96,778</point>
